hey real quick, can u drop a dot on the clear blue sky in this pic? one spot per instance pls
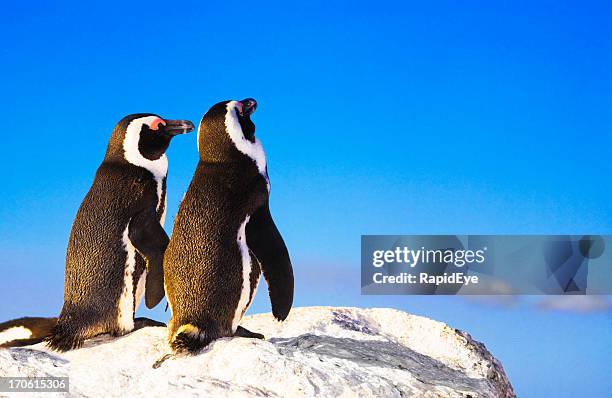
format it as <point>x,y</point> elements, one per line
<point>478,117</point>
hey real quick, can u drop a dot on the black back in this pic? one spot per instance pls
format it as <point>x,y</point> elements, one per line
<point>96,254</point>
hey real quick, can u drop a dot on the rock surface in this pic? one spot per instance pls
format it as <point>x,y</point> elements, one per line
<point>317,351</point>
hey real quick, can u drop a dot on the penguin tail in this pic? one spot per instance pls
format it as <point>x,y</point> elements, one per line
<point>25,331</point>
<point>189,339</point>
<point>63,337</point>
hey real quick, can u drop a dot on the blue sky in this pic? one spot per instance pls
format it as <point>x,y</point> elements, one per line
<point>484,118</point>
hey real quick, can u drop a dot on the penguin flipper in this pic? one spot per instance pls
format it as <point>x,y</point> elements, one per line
<point>143,322</point>
<point>150,239</point>
<point>267,244</point>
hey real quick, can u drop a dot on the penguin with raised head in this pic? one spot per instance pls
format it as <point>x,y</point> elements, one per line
<point>116,245</point>
<point>224,236</point>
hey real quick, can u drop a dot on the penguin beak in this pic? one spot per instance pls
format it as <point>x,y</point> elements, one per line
<point>176,127</point>
<point>248,106</point>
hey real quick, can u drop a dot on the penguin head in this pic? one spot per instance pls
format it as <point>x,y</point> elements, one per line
<point>227,134</point>
<point>143,138</point>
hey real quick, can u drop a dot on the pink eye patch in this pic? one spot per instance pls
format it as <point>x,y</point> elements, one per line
<point>155,124</point>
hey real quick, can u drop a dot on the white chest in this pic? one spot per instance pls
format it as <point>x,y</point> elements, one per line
<point>245,292</point>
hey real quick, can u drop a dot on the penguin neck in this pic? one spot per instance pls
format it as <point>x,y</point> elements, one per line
<point>246,158</point>
<point>233,165</point>
<point>239,166</point>
<point>158,167</point>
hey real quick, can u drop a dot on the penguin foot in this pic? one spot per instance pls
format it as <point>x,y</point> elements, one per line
<point>242,332</point>
<point>190,339</point>
<point>143,322</point>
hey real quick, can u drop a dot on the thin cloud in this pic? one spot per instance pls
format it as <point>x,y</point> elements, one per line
<point>582,304</point>
<point>494,300</point>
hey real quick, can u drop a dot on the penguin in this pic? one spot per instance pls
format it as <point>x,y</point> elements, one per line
<point>117,240</point>
<point>224,236</point>
<point>25,331</point>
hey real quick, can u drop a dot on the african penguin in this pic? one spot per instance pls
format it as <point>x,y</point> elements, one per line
<point>118,225</point>
<point>25,331</point>
<point>224,236</point>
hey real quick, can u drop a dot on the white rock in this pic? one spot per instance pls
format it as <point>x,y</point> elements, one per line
<point>317,351</point>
